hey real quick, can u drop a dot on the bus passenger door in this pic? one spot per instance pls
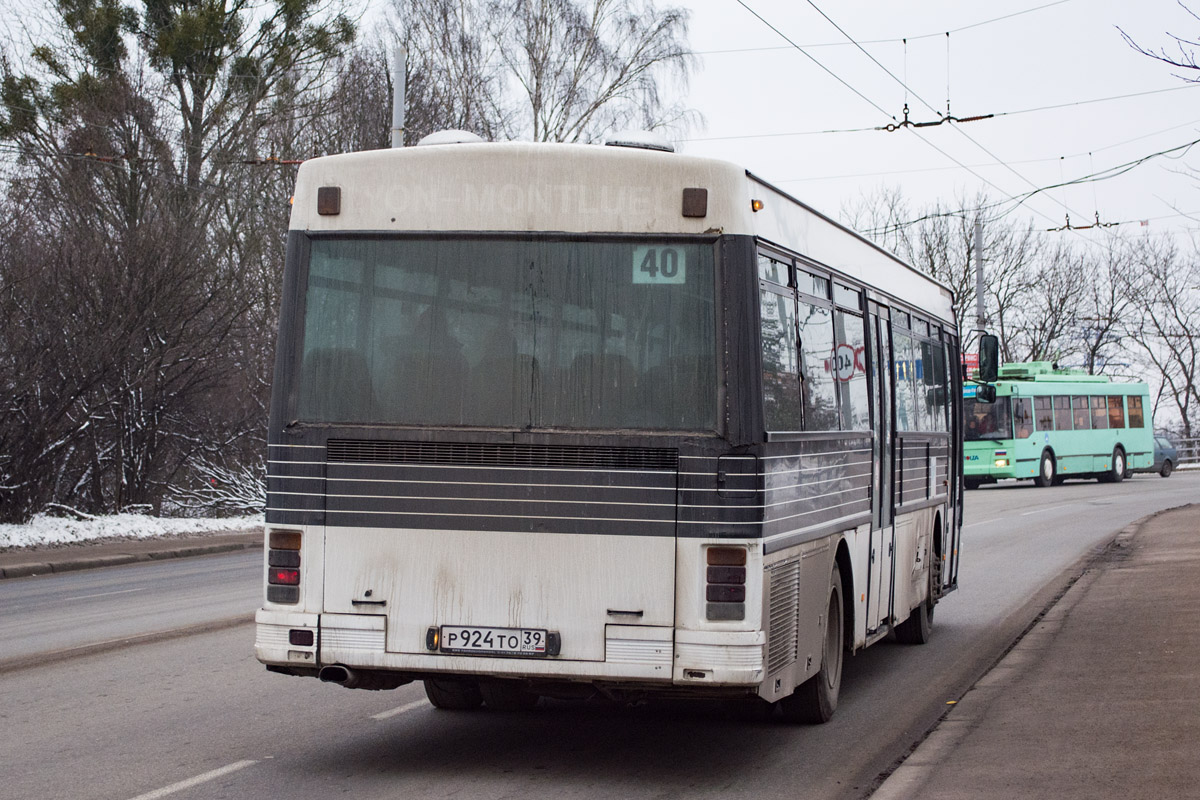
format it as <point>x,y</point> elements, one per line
<point>879,581</point>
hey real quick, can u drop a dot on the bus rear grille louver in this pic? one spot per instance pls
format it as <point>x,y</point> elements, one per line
<point>501,455</point>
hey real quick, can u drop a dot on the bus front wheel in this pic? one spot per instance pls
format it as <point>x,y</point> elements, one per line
<point>815,700</point>
<point>1047,470</point>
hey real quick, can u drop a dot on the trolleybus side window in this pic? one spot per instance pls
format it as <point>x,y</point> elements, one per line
<point>1045,417</point>
<point>1116,412</point>
<point>1081,416</point>
<point>1099,413</point>
<point>1062,412</point>
<point>1136,420</point>
<point>1022,411</point>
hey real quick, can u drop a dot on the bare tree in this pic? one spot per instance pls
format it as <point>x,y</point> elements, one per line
<point>1167,329</point>
<point>547,70</point>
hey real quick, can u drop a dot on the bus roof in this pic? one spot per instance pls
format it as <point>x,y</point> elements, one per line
<point>564,188</point>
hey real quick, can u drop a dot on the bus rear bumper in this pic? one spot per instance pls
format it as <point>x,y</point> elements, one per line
<point>643,655</point>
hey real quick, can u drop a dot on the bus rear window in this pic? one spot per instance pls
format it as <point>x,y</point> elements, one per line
<point>510,333</point>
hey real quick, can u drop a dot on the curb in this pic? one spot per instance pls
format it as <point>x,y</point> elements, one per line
<point>76,563</point>
<point>45,659</point>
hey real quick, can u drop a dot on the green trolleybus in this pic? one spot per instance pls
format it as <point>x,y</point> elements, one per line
<point>1050,425</point>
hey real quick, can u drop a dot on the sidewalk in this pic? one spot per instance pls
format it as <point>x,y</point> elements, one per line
<point>20,563</point>
<point>1101,699</point>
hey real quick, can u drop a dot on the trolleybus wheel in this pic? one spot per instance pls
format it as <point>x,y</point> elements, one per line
<point>507,696</point>
<point>453,695</point>
<point>972,483</point>
<point>815,700</point>
<point>1117,473</point>
<point>1047,470</point>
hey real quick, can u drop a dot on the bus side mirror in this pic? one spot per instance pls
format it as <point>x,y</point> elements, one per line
<point>989,358</point>
<point>985,393</point>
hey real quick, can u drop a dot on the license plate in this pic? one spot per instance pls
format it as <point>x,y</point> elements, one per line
<point>493,641</point>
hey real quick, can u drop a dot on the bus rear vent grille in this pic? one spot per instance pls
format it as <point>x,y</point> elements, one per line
<point>501,455</point>
<point>784,608</point>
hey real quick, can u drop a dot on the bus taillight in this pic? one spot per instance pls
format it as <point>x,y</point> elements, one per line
<point>725,583</point>
<point>283,566</point>
<point>284,577</point>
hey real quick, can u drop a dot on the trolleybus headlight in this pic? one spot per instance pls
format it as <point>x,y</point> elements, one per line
<point>1001,462</point>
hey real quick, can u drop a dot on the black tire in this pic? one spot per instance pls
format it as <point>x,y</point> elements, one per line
<point>507,696</point>
<point>972,483</point>
<point>918,628</point>
<point>453,695</point>
<point>815,700</point>
<point>1116,472</point>
<point>1047,470</point>
<point>1166,469</point>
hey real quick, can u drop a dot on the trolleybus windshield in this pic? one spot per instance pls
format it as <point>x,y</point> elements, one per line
<point>987,421</point>
<point>507,332</point>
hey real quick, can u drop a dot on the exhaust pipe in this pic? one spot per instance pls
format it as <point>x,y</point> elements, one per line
<point>336,673</point>
<point>362,679</point>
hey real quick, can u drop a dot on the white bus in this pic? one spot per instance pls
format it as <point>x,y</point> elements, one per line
<point>555,420</point>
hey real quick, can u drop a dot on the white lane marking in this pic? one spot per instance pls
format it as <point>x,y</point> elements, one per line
<point>397,711</point>
<point>196,781</point>
<point>104,594</point>
<point>1043,510</point>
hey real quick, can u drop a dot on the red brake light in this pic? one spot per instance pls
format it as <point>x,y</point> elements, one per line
<point>284,577</point>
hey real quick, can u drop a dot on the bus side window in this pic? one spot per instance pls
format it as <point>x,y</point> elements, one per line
<point>1062,412</point>
<point>1022,417</point>
<point>780,378</point>
<point>1136,420</point>
<point>1116,412</point>
<point>1099,413</point>
<point>1083,418</point>
<point>851,370</point>
<point>1045,420</point>
<point>817,388</point>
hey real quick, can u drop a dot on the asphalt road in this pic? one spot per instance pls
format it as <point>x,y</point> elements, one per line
<point>198,717</point>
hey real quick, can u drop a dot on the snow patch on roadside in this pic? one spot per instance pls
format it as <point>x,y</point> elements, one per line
<point>48,531</point>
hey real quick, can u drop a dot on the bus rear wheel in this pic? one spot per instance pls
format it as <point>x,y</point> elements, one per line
<point>1116,473</point>
<point>815,700</point>
<point>1047,470</point>
<point>453,695</point>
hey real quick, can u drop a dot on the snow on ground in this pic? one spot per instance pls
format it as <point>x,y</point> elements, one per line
<point>44,530</point>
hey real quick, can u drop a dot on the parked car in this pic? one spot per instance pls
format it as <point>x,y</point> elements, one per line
<point>1165,455</point>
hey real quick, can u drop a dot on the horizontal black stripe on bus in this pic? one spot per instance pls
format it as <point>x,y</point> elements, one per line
<point>782,541</point>
<point>509,454</point>
<point>292,516</point>
<point>593,526</point>
<point>475,490</point>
